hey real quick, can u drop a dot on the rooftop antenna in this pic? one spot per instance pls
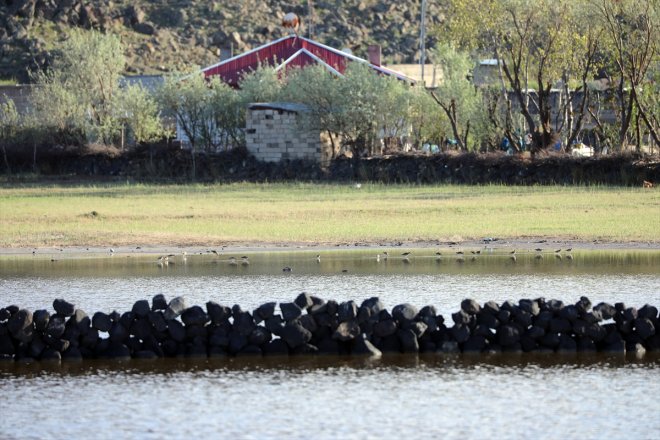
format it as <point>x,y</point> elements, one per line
<point>310,19</point>
<point>422,39</point>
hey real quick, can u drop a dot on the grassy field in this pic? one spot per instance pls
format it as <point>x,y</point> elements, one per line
<point>195,215</point>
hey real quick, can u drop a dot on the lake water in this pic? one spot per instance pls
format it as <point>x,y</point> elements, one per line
<point>504,396</point>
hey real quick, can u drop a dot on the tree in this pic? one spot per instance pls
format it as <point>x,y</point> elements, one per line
<point>633,44</point>
<point>186,99</point>
<point>9,121</point>
<point>140,112</point>
<point>459,99</point>
<point>78,92</point>
<point>81,96</point>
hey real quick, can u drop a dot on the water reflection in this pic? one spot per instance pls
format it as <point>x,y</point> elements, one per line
<point>421,261</point>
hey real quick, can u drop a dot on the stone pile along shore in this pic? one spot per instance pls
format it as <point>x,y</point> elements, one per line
<point>310,325</point>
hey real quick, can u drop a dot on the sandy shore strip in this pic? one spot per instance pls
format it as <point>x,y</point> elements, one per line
<point>519,244</point>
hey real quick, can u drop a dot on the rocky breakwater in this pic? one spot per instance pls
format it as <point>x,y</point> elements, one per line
<point>312,326</point>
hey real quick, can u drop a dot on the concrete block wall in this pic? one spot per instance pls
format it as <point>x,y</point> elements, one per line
<point>273,135</point>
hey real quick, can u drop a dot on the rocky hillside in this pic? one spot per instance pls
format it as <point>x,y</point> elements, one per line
<point>167,35</point>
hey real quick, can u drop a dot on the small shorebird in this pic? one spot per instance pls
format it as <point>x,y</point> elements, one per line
<point>405,254</point>
<point>244,260</point>
<point>538,250</point>
<point>232,261</point>
<point>459,252</point>
<point>438,253</point>
<point>286,269</point>
<point>513,258</point>
<point>213,251</point>
<point>569,249</point>
<point>513,252</point>
<point>385,255</point>
<point>344,271</point>
<point>318,258</point>
<point>377,258</point>
<point>557,251</point>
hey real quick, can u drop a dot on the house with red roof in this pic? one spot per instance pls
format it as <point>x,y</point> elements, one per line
<point>294,51</point>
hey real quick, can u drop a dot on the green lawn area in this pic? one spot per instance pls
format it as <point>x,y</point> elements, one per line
<point>327,213</point>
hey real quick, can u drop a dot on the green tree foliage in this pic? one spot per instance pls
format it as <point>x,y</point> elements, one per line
<point>459,99</point>
<point>9,122</point>
<point>552,49</point>
<point>80,95</point>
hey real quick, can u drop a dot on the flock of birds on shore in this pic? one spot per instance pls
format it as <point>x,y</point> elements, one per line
<point>405,257</point>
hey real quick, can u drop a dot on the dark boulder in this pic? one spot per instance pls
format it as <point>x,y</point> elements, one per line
<point>647,311</point>
<point>408,340</point>
<point>559,325</point>
<point>523,318</point>
<point>504,316</point>
<point>418,328</point>
<point>404,313</point>
<point>305,349</point>
<point>554,306</point>
<point>56,326</point>
<point>583,305</point>
<point>141,328</point>
<point>550,340</point>
<point>461,318</point>
<point>566,344</point>
<point>363,347</point>
<point>309,323</point>
<point>117,351</point>
<point>141,308</point>
<point>328,346</point>
<point>385,328</point>
<point>644,327</point>
<point>194,315</point>
<point>528,344</point>
<point>276,347</point>
<point>295,334</point>
<point>373,304</point>
<point>347,331</point>
<point>217,313</point>
<point>290,311</point>
<point>304,301</point>
<point>265,310</point>
<point>101,322</point>
<point>535,332</point>
<point>630,314</point>
<point>63,308</point>
<point>543,319</point>
<point>118,333</point>
<point>606,311</point>
<point>158,302</point>
<point>529,306</point>
<point>176,330</point>
<point>470,306</point>
<point>237,342</point>
<point>347,311</point>
<point>460,333</point>
<point>19,321</point>
<point>274,324</point>
<point>157,321</point>
<point>175,308</point>
<point>475,344</point>
<point>508,335</point>
<point>331,307</point>
<point>40,319</point>
<point>259,336</point>
<point>491,307</point>
<point>488,319</point>
<point>389,344</point>
<point>569,313</point>
<point>81,320</point>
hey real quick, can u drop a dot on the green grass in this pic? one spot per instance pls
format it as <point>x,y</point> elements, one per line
<point>287,213</point>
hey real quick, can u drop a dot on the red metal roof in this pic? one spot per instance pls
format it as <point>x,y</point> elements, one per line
<point>289,51</point>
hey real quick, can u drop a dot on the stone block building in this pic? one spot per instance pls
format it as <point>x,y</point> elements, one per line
<point>277,131</point>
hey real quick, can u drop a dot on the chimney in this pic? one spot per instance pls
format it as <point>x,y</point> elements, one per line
<point>226,52</point>
<point>374,54</point>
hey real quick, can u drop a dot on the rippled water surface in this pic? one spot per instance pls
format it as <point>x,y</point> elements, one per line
<point>465,397</point>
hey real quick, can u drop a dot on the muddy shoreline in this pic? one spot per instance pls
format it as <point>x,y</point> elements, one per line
<point>525,244</point>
